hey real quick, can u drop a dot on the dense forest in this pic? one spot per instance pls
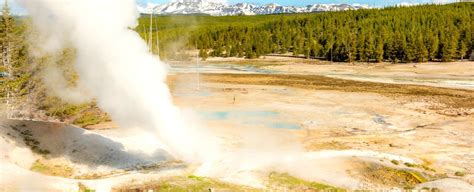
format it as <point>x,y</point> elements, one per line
<point>396,34</point>
<point>175,31</point>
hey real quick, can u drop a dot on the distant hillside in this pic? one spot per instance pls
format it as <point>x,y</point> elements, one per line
<point>397,34</point>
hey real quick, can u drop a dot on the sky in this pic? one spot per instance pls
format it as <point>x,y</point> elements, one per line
<point>16,9</point>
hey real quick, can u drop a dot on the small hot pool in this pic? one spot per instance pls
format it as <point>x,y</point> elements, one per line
<point>270,119</point>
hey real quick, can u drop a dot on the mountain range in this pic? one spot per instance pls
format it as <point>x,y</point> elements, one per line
<point>214,8</point>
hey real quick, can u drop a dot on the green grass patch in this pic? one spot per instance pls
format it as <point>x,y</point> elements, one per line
<point>49,168</point>
<point>427,168</point>
<point>395,162</point>
<point>90,118</point>
<point>56,108</point>
<point>391,177</point>
<point>460,174</point>
<point>417,176</point>
<point>291,183</point>
<point>39,167</point>
<point>197,178</point>
<point>185,184</point>
<point>83,188</point>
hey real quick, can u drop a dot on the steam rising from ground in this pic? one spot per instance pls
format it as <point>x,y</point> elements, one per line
<point>115,67</point>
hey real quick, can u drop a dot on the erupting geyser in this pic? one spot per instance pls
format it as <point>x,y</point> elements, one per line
<point>116,69</point>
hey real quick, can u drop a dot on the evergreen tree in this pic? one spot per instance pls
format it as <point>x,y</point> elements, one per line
<point>367,47</point>
<point>431,46</point>
<point>379,52</point>
<point>352,47</point>
<point>421,51</point>
<point>315,48</point>
<point>14,57</point>
<point>7,36</point>
<point>462,50</point>
<point>404,34</point>
<point>448,50</point>
<point>411,47</point>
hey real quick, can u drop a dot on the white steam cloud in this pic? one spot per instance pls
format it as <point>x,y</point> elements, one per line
<point>115,67</point>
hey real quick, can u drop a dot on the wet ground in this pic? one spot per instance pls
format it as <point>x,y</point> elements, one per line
<point>458,75</point>
<point>452,75</point>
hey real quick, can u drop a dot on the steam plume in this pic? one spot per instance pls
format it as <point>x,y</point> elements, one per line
<point>115,67</point>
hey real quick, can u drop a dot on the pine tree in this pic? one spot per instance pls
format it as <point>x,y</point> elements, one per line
<point>431,43</point>
<point>399,48</point>
<point>307,48</point>
<point>352,47</point>
<point>421,51</point>
<point>329,48</point>
<point>462,50</point>
<point>448,50</point>
<point>315,48</point>
<point>13,54</point>
<point>233,51</point>
<point>6,36</point>
<point>411,48</point>
<point>367,47</point>
<point>379,50</point>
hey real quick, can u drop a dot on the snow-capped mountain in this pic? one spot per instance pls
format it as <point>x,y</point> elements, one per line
<point>217,8</point>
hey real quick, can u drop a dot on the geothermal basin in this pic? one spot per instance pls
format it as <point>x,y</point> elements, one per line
<point>272,127</point>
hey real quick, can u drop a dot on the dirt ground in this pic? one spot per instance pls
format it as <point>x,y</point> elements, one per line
<point>328,119</point>
<point>429,122</point>
<point>369,133</point>
<point>458,74</point>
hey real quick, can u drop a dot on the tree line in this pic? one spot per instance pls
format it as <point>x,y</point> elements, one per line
<point>171,33</point>
<point>13,56</point>
<point>396,34</point>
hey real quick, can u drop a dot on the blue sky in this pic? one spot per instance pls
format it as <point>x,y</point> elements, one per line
<point>16,9</point>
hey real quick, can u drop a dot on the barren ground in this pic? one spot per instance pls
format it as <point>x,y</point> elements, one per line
<point>357,129</point>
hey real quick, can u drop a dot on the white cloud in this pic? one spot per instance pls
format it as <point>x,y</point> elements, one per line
<point>406,4</point>
<point>443,1</point>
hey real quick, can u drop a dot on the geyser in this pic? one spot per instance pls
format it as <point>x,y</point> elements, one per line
<point>115,67</point>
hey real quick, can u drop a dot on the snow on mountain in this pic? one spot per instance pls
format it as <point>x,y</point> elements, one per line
<point>219,8</point>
